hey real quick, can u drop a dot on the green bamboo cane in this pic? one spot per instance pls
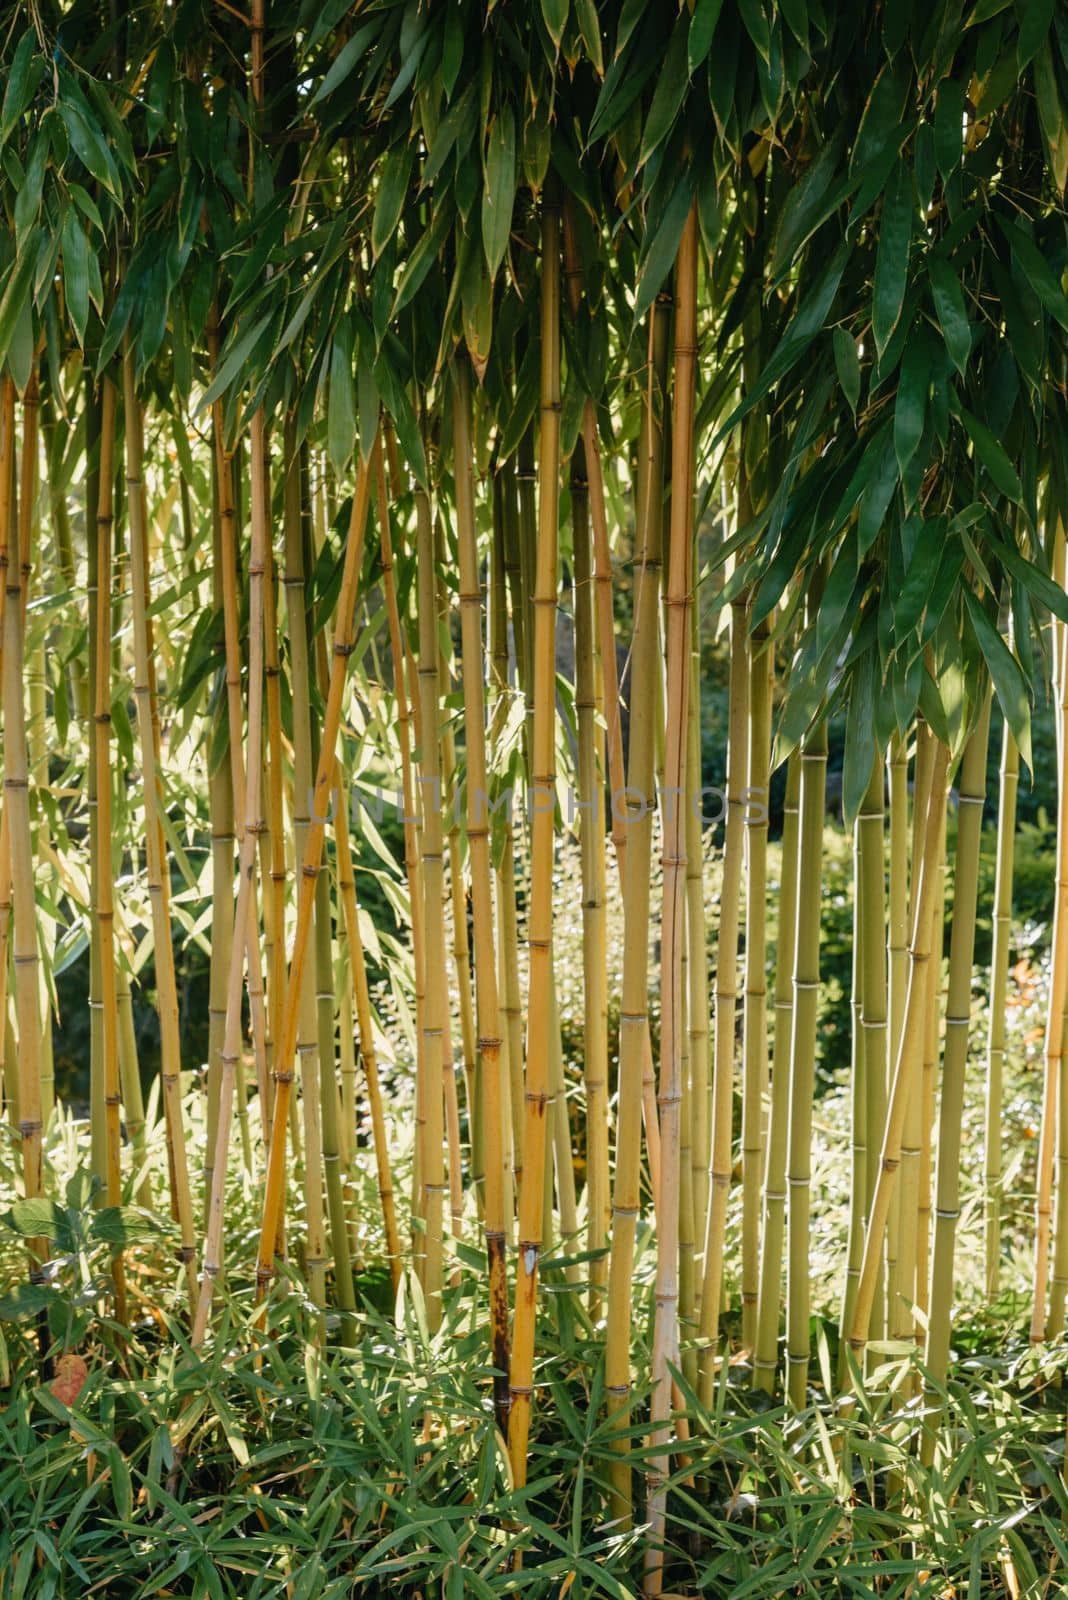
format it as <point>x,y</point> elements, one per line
<point>803,1051</point>
<point>754,1037</point>
<point>999,980</point>
<point>543,784</point>
<point>903,1226</point>
<point>588,704</point>
<point>156,858</point>
<point>954,1059</point>
<point>910,1050</point>
<point>634,1000</point>
<point>697,972</point>
<point>932,1038</point>
<point>870,1020</point>
<point>774,1218</point>
<point>435,1008</point>
<point>726,998</point>
<point>478,836</point>
<point>678,600</point>
<point>17,816</point>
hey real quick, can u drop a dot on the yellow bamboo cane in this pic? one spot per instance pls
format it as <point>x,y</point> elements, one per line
<point>489,1023</point>
<point>274,1185</point>
<point>543,791</point>
<point>679,600</point>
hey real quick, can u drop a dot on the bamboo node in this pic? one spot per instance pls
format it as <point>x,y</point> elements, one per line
<point>28,1129</point>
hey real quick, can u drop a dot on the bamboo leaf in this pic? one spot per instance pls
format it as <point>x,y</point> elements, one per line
<point>498,191</point>
<point>993,458</point>
<point>341,411</point>
<point>892,256</point>
<point>15,299</point>
<point>702,28</point>
<point>664,245</point>
<point>670,90</point>
<point>392,191</point>
<point>345,61</point>
<point>949,307</point>
<point>1039,274</point>
<point>1036,19</point>
<point>847,363</point>
<point>76,272</point>
<point>1010,686</point>
<point>860,742</point>
<point>23,76</point>
<point>554,15</point>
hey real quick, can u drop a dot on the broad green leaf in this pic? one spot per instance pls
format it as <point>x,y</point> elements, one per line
<point>911,405</point>
<point>664,245</point>
<point>702,27</point>
<point>1039,274</point>
<point>421,259</point>
<point>671,88</point>
<point>892,256</point>
<point>1051,114</point>
<point>590,28</point>
<point>993,458</point>
<point>860,743</point>
<point>554,15</point>
<point>392,192</point>
<point>876,499</point>
<point>920,575</point>
<point>341,408</point>
<point>1010,685</point>
<point>90,149</point>
<point>847,363</point>
<point>756,26</point>
<point>76,272</point>
<point>1036,18</point>
<point>949,126</point>
<point>1042,587</point>
<point>498,190</point>
<point>949,307</point>
<point>345,61</point>
<point>808,204</point>
<point>15,299</point>
<point>803,328</point>
<point>23,76</point>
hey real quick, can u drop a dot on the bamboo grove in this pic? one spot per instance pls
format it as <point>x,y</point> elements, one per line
<point>353,357</point>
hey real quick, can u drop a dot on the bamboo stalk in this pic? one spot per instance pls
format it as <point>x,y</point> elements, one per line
<point>754,1035</point>
<point>932,1028</point>
<point>104,909</point>
<point>435,1006</point>
<point>634,1000</point>
<point>903,1226</point>
<point>20,843</point>
<point>489,1021</point>
<point>954,1058</point>
<point>542,789</point>
<point>909,1052</point>
<point>298,557</point>
<point>803,1052</point>
<point>274,1184</point>
<point>726,999</point>
<point>588,708</point>
<point>679,600</point>
<point>999,981</point>
<point>697,973</point>
<point>244,935</point>
<point>1058,997</point>
<point>156,860</point>
<point>870,1021</point>
<point>774,1229</point>
<point>368,1049</point>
